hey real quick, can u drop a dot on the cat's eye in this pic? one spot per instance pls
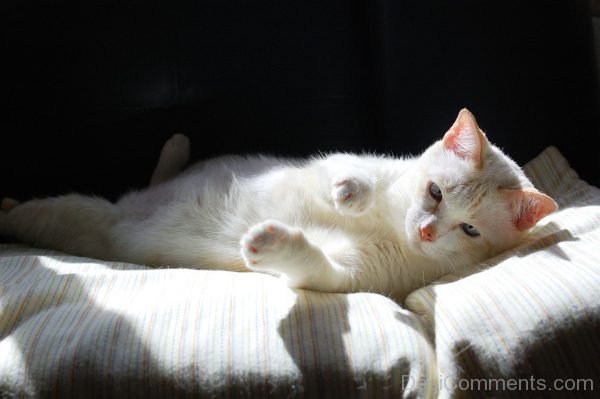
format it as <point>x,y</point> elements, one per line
<point>435,192</point>
<point>470,230</point>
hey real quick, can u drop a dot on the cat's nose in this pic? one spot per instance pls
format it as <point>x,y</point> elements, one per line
<point>427,232</point>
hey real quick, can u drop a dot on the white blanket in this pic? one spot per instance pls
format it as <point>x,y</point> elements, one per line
<point>529,319</point>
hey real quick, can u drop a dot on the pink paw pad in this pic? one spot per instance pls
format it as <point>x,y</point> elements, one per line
<point>264,242</point>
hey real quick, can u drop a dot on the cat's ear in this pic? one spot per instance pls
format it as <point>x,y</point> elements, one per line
<point>528,206</point>
<point>465,139</point>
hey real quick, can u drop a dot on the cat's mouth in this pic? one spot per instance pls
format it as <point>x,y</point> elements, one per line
<point>418,245</point>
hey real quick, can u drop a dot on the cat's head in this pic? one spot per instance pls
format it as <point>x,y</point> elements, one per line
<point>470,201</point>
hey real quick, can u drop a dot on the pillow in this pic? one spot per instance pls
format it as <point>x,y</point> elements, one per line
<point>76,327</point>
<point>528,321</point>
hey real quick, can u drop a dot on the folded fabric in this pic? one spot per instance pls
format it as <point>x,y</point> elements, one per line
<point>75,327</point>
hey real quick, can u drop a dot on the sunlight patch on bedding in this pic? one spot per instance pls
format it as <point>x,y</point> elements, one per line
<point>13,367</point>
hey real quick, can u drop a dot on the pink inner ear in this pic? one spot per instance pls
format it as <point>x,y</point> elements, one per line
<point>464,138</point>
<point>529,206</point>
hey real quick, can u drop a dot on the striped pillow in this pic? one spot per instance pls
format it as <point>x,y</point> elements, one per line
<point>79,328</point>
<point>528,322</point>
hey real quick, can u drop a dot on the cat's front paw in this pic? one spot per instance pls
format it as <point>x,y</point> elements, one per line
<point>270,244</point>
<point>352,196</point>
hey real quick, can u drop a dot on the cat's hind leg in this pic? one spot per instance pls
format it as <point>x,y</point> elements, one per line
<point>174,155</point>
<point>72,223</point>
<point>276,248</point>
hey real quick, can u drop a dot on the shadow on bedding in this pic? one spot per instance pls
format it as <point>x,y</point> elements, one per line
<point>60,342</point>
<point>347,347</point>
<point>313,333</point>
<point>546,240</point>
<point>560,362</point>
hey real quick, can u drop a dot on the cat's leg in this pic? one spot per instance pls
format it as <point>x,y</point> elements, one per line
<point>276,248</point>
<point>351,184</point>
<point>72,223</point>
<point>352,195</point>
<point>174,155</point>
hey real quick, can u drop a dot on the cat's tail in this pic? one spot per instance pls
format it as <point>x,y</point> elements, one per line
<point>72,223</point>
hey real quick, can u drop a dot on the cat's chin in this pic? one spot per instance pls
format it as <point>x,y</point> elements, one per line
<point>418,247</point>
<point>425,250</point>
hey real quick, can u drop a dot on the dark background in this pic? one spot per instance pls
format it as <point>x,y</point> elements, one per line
<point>93,88</point>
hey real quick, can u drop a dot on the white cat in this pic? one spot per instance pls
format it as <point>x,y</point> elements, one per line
<point>335,223</point>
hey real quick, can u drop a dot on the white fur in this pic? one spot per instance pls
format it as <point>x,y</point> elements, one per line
<point>334,223</point>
